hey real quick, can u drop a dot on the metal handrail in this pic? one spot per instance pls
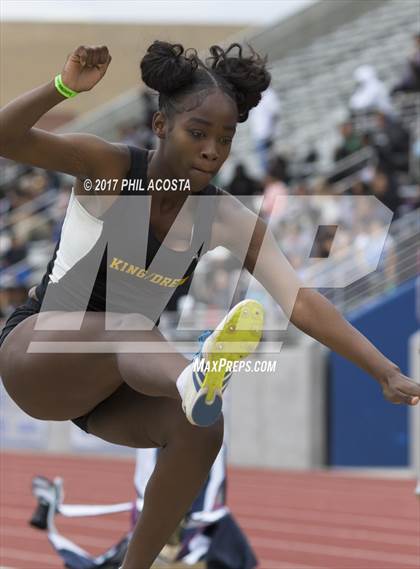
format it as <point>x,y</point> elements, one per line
<point>346,265</point>
<point>408,261</point>
<point>353,303</point>
<point>408,224</point>
<point>11,271</point>
<point>44,200</point>
<point>403,232</point>
<point>406,268</point>
<point>369,289</point>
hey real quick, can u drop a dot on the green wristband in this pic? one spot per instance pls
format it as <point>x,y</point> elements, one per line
<point>63,89</point>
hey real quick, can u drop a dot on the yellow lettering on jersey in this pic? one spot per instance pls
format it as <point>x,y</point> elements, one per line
<point>156,279</point>
<point>135,271</point>
<point>115,263</point>
<point>132,270</point>
<point>174,283</point>
<point>141,274</point>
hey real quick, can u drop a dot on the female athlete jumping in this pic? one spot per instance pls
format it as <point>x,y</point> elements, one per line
<point>148,399</point>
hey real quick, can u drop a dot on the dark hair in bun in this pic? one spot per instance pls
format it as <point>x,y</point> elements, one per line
<point>174,73</point>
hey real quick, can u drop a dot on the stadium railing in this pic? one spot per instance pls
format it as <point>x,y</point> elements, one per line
<point>404,233</point>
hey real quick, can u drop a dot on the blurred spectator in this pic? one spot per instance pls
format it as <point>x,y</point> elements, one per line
<point>312,156</point>
<point>301,211</point>
<point>31,226</point>
<point>10,298</point>
<point>328,205</point>
<point>358,188</point>
<point>371,93</point>
<point>278,167</point>
<point>16,252</point>
<point>392,142</point>
<point>309,164</point>
<point>301,188</point>
<point>263,124</point>
<point>351,141</point>
<point>369,245</point>
<point>274,199</point>
<point>58,210</point>
<point>34,184</point>
<point>385,189</point>
<point>410,82</point>
<point>415,160</point>
<point>410,198</point>
<point>242,184</point>
<point>295,243</point>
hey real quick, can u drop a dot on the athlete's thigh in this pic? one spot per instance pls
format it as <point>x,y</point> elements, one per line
<point>59,386</point>
<point>132,419</point>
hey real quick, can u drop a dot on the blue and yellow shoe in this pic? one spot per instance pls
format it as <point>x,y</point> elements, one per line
<point>234,338</point>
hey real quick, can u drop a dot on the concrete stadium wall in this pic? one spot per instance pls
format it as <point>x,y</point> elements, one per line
<point>278,420</point>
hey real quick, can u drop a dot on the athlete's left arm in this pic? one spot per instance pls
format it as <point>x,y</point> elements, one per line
<point>307,309</point>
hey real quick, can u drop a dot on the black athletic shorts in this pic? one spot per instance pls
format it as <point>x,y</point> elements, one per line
<point>32,306</point>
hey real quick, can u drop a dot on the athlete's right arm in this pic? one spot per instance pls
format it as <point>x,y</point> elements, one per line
<point>80,155</point>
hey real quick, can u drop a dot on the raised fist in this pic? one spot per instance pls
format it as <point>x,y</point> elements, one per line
<point>85,67</point>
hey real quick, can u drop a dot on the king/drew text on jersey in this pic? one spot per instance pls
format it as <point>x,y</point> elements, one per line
<point>141,273</point>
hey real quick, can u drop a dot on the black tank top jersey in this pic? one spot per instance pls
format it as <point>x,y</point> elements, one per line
<point>125,269</point>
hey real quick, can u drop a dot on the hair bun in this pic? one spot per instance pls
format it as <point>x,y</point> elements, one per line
<point>248,76</point>
<point>166,68</point>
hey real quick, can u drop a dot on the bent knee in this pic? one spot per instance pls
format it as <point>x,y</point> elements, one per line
<point>211,437</point>
<point>215,433</point>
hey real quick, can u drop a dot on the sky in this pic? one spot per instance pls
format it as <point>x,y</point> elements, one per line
<point>249,12</point>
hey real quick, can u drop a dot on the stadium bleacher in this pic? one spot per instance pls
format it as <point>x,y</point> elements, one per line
<point>316,81</point>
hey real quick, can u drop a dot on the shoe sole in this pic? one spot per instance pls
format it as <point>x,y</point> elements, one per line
<point>237,336</point>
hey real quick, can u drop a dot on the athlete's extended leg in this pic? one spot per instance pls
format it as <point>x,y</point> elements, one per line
<point>65,385</point>
<point>187,453</point>
<point>60,386</point>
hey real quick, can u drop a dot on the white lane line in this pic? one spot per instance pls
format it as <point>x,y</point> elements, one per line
<point>336,551</point>
<point>257,523</point>
<point>86,540</point>
<point>20,555</point>
<point>270,564</point>
<point>324,516</point>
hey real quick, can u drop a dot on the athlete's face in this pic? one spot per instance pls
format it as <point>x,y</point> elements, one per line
<point>196,143</point>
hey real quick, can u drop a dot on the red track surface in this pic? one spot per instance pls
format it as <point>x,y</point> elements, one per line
<point>294,520</point>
